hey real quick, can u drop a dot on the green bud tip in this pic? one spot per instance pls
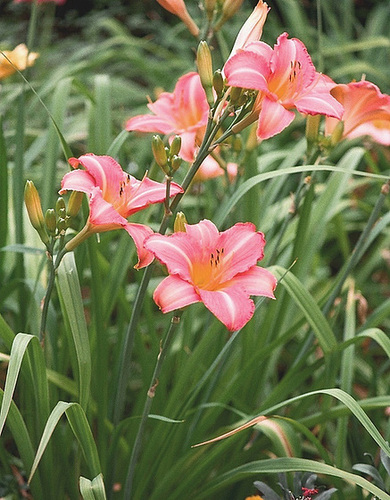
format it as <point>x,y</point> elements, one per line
<point>180,222</point>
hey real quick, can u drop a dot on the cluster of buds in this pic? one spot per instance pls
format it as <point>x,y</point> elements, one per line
<point>167,159</point>
<point>55,221</point>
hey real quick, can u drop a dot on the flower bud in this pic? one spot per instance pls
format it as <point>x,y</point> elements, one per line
<point>337,133</point>
<point>175,162</point>
<point>159,153</point>
<point>209,6</point>
<point>34,210</point>
<point>60,204</point>
<point>235,95</point>
<point>218,82</point>
<point>74,204</point>
<point>237,144</point>
<point>180,222</point>
<point>62,224</point>
<point>312,128</point>
<point>51,221</point>
<point>175,146</point>
<point>205,69</point>
<point>229,8</point>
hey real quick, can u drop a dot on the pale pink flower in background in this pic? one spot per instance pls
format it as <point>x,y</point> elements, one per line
<point>366,112</point>
<point>179,9</point>
<point>210,169</point>
<point>216,268</point>
<point>19,59</point>
<point>286,80</point>
<point>113,195</point>
<point>183,112</point>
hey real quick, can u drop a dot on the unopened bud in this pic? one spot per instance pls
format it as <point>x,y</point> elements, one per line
<point>205,69</point>
<point>175,162</point>
<point>159,153</point>
<point>218,82</point>
<point>237,144</point>
<point>312,128</point>
<point>337,133</point>
<point>180,222</point>
<point>209,6</point>
<point>235,95</point>
<point>51,221</point>
<point>229,8</point>
<point>60,205</point>
<point>62,224</point>
<point>175,146</point>
<point>34,210</point>
<point>74,204</point>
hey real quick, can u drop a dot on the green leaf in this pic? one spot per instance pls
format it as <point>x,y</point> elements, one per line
<point>80,427</point>
<point>277,465</point>
<point>18,350</point>
<point>309,307</point>
<point>92,490</point>
<point>257,179</point>
<point>72,307</point>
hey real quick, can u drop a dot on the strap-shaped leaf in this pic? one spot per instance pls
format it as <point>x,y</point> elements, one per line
<point>277,465</point>
<point>81,429</point>
<point>309,307</point>
<point>92,490</point>
<point>37,374</point>
<point>72,306</point>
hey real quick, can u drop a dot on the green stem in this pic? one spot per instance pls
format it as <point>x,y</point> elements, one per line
<point>128,343</point>
<point>148,403</point>
<point>46,301</point>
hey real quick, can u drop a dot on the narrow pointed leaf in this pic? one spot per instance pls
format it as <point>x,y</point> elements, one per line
<point>72,306</point>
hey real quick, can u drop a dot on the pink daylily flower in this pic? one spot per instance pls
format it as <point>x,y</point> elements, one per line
<point>218,269</point>
<point>114,195</point>
<point>286,80</point>
<point>366,112</point>
<point>183,112</point>
<point>179,9</point>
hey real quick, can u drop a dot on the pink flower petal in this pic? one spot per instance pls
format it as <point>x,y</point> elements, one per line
<point>247,70</point>
<point>177,252</point>
<point>205,233</point>
<point>290,57</point>
<point>106,172</point>
<point>256,281</point>
<point>252,29</point>
<point>150,123</point>
<point>242,247</point>
<point>77,180</point>
<point>232,306</point>
<point>149,192</point>
<point>102,214</point>
<point>139,233</point>
<point>190,103</point>
<point>174,293</point>
<point>273,119</point>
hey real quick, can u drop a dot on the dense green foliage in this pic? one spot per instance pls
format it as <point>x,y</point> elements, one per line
<point>304,359</point>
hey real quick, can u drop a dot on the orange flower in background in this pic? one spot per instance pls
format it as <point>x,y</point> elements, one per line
<point>366,112</point>
<point>254,497</point>
<point>18,59</point>
<point>179,9</point>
